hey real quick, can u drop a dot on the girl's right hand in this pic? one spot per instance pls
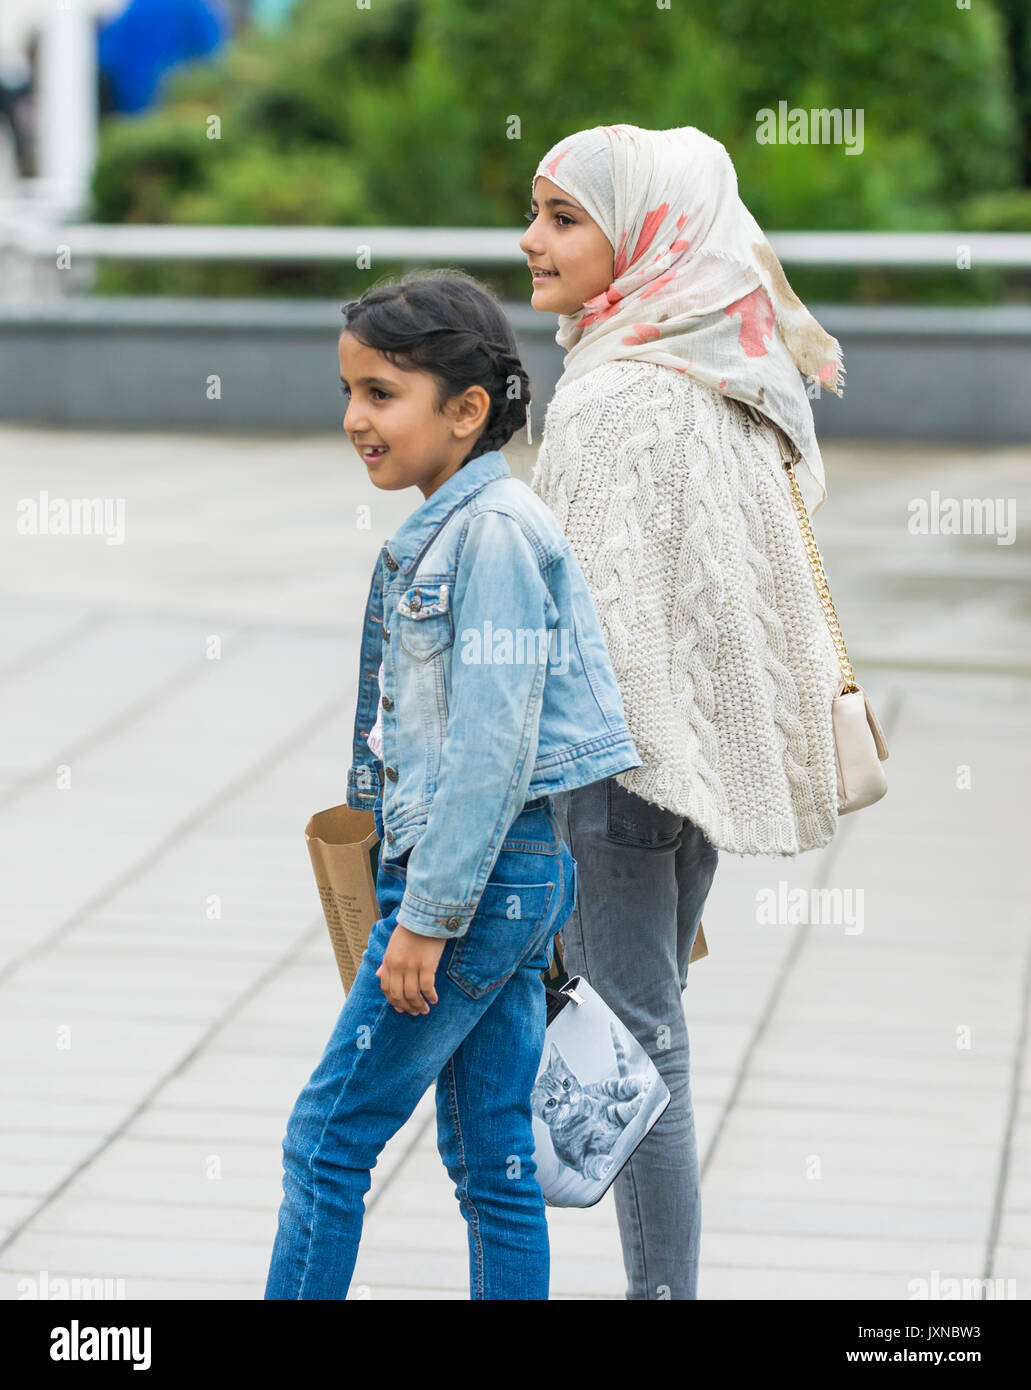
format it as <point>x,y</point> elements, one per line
<point>409,969</point>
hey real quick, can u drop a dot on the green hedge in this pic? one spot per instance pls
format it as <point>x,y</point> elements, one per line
<point>436,112</point>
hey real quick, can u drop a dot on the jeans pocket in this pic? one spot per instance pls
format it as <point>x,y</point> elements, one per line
<point>510,923</point>
<point>631,820</point>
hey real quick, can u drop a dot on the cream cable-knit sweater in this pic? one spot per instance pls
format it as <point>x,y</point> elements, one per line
<point>679,510</point>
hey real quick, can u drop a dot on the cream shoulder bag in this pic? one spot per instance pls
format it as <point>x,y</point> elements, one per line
<point>859,746</point>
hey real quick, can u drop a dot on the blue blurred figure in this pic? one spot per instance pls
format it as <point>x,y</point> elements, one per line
<point>149,37</point>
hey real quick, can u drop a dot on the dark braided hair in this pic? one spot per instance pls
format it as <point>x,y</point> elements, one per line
<point>447,323</point>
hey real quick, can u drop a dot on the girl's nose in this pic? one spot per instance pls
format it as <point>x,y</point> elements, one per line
<point>526,241</point>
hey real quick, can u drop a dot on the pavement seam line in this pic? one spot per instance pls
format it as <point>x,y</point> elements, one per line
<point>1002,1180</point>
<point>172,684</point>
<point>328,712</point>
<point>85,626</point>
<point>209,1034</point>
<point>175,835</point>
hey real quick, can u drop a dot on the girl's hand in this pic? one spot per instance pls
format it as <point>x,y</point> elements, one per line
<point>408,970</point>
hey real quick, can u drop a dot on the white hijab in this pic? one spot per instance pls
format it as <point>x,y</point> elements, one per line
<point>696,285</point>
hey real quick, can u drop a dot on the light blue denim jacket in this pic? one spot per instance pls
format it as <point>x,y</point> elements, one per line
<point>497,686</point>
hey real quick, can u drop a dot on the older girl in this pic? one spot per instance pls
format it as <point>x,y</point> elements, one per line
<point>686,351</point>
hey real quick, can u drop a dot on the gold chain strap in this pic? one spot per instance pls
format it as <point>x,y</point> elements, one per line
<point>820,579</point>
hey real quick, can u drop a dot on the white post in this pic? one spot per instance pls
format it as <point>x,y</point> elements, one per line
<point>67,112</point>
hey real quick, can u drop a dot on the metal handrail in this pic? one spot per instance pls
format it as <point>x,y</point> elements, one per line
<point>39,240</point>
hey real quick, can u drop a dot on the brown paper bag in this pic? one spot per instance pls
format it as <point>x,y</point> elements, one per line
<point>344,849</point>
<point>700,947</point>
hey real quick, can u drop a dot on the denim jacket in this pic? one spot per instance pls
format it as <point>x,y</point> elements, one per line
<point>497,686</point>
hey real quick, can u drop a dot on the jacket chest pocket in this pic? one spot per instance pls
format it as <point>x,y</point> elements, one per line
<point>424,620</point>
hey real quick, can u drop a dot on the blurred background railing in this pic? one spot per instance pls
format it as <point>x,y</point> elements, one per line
<point>913,371</point>
<point>36,241</point>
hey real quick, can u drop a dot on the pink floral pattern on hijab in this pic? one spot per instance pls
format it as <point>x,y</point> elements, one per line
<point>701,290</point>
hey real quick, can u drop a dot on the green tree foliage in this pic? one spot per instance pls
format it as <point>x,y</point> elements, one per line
<point>436,112</point>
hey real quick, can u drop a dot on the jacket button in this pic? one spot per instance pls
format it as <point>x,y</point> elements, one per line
<point>389,561</point>
<point>387,702</point>
<point>391,837</point>
<point>386,633</point>
<point>453,923</point>
<point>415,604</point>
<point>391,773</point>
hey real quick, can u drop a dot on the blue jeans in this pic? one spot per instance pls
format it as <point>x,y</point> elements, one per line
<point>481,1042</point>
<point>644,875</point>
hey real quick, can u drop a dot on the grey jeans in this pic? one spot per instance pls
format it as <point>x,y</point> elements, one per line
<point>643,876</point>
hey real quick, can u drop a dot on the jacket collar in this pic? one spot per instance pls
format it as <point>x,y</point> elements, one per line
<point>411,539</point>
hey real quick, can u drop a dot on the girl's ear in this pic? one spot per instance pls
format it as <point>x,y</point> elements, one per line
<point>472,410</point>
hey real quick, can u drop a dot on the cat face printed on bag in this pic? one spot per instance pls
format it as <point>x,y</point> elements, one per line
<point>586,1121</point>
<point>554,1087</point>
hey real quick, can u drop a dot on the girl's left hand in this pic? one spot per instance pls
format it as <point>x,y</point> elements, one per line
<point>408,970</point>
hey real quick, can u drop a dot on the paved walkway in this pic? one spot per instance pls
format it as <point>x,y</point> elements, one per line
<point>175,707</point>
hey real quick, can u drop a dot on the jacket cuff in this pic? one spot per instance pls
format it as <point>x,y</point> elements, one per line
<point>433,919</point>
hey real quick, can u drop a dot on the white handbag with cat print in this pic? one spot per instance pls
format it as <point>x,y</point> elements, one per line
<point>596,1096</point>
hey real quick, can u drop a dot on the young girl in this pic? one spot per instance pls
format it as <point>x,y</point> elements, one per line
<point>686,351</point>
<point>497,693</point>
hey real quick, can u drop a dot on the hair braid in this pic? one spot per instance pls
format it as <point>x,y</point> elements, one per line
<point>510,398</point>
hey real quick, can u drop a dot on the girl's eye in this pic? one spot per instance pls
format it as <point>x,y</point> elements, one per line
<point>532,217</point>
<point>346,391</point>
